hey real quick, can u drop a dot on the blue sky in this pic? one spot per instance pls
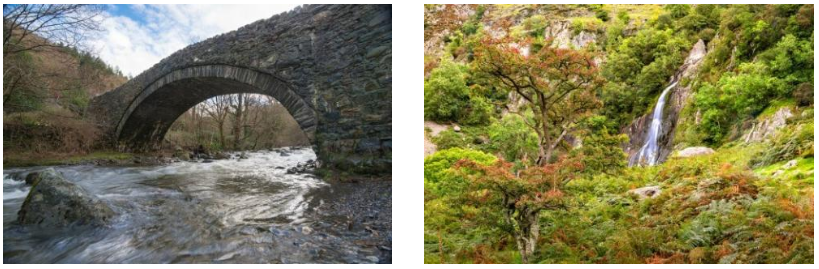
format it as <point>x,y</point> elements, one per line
<point>138,36</point>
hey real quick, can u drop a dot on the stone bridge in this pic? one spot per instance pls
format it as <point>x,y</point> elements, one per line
<point>329,65</point>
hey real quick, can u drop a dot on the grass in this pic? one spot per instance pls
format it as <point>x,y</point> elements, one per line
<point>776,105</point>
<point>27,159</point>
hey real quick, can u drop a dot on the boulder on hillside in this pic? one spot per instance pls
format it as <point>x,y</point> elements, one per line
<point>647,192</point>
<point>54,201</point>
<point>694,151</point>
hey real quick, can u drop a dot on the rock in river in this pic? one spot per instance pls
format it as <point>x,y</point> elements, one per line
<point>54,201</point>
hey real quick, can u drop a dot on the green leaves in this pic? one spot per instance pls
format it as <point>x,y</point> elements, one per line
<point>448,98</point>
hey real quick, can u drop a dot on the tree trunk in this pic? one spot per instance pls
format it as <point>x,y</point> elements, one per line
<point>237,122</point>
<point>222,133</point>
<point>528,234</point>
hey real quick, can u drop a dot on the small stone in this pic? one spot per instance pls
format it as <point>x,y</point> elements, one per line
<point>226,256</point>
<point>790,164</point>
<point>306,230</point>
<point>372,259</point>
<point>456,128</point>
<point>647,192</point>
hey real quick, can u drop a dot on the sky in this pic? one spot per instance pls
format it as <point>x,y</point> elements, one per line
<point>136,37</point>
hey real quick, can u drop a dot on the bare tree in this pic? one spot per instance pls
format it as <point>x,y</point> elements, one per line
<point>217,108</point>
<point>56,24</point>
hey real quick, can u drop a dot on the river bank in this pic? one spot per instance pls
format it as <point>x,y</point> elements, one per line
<point>225,211</point>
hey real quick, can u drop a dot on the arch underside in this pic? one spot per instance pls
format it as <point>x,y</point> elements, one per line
<point>152,113</point>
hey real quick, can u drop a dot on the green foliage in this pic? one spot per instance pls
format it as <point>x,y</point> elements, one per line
<point>739,205</point>
<point>602,149</point>
<point>789,143</point>
<point>512,138</point>
<point>437,166</point>
<point>77,99</point>
<point>623,16</point>
<point>637,70</point>
<point>533,26</point>
<point>734,98</point>
<point>449,139</point>
<point>448,98</point>
<point>791,60</point>
<point>592,25</point>
<point>678,11</point>
<point>603,15</point>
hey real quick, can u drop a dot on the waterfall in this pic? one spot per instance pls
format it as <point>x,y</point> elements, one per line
<point>649,153</point>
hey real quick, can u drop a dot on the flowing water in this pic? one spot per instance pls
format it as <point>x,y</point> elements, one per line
<point>232,211</point>
<point>649,153</point>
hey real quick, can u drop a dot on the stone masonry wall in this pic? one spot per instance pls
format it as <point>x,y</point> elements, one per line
<point>337,58</point>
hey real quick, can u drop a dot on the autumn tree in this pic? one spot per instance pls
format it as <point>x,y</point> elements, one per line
<point>521,195</point>
<point>558,85</point>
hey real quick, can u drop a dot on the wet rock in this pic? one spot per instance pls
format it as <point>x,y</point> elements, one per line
<point>221,156</point>
<point>306,167</point>
<point>694,151</point>
<point>372,259</point>
<point>243,155</point>
<point>678,98</point>
<point>226,257</point>
<point>647,192</point>
<point>32,177</point>
<point>182,155</point>
<point>306,230</point>
<point>54,202</point>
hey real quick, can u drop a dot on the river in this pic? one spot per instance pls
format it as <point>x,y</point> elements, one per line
<point>226,211</point>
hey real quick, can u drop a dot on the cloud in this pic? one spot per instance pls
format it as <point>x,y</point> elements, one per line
<point>137,39</point>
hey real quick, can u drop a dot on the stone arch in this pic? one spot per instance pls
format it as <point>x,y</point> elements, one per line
<point>149,116</point>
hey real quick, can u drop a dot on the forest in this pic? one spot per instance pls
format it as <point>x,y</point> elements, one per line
<point>618,133</point>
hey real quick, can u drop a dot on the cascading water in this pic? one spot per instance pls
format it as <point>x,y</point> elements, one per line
<point>649,153</point>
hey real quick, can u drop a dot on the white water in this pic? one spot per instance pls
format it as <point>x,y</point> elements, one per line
<point>649,153</point>
<point>234,210</point>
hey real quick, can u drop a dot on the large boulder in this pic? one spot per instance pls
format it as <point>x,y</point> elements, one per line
<point>54,201</point>
<point>694,151</point>
<point>766,127</point>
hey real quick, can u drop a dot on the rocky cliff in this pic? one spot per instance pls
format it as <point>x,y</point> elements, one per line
<point>678,99</point>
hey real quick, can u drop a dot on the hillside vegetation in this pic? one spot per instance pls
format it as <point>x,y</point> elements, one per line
<point>45,95</point>
<point>544,101</point>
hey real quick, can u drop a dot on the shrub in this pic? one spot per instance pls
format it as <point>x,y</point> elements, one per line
<point>602,14</point>
<point>445,92</point>
<point>449,139</point>
<point>438,166</point>
<point>803,94</point>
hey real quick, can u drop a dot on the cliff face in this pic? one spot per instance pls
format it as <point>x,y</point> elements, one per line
<point>678,99</point>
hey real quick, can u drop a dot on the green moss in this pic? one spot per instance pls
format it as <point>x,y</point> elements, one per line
<point>776,105</point>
